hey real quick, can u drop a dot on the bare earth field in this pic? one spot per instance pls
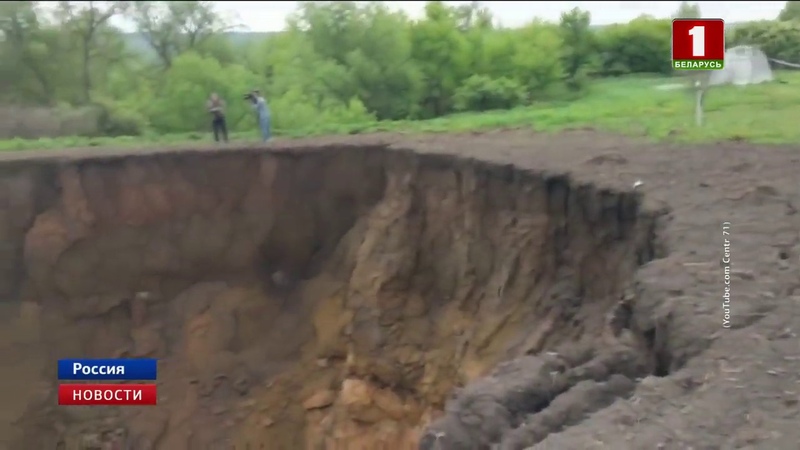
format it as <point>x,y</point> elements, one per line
<point>489,290</point>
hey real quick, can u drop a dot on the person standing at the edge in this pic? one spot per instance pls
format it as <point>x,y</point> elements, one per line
<point>216,106</point>
<point>262,112</point>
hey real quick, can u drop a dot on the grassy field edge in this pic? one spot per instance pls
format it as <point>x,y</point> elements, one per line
<point>645,107</point>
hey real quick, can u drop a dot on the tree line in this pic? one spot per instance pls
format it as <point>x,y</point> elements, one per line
<point>779,39</point>
<point>335,62</point>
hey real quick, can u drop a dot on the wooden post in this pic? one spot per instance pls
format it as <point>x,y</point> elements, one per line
<point>698,107</point>
<point>698,103</point>
<point>701,84</point>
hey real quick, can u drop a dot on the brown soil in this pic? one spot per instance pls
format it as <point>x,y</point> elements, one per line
<point>489,290</point>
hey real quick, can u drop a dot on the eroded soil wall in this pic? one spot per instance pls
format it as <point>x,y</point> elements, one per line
<point>317,298</point>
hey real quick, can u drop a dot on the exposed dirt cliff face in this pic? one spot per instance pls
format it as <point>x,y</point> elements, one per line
<point>326,298</point>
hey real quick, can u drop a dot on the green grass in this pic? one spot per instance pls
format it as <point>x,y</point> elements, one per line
<point>762,114</point>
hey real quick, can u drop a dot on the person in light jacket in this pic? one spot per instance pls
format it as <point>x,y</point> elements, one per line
<point>262,113</point>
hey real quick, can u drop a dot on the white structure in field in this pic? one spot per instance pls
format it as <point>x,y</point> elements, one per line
<point>743,65</point>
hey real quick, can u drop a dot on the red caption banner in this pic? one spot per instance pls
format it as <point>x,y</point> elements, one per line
<point>107,394</point>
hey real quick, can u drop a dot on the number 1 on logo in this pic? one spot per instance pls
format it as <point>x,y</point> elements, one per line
<point>698,34</point>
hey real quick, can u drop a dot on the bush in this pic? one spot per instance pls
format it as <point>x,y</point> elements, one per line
<point>294,111</point>
<point>578,49</point>
<point>114,120</point>
<point>483,93</point>
<point>579,80</point>
<point>779,40</point>
<point>641,46</point>
<point>538,59</point>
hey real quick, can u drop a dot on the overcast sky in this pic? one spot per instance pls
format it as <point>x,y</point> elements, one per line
<point>270,16</point>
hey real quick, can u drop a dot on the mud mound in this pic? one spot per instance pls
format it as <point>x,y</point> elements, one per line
<point>326,294</point>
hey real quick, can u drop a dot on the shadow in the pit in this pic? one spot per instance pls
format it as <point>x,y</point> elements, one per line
<point>23,360</point>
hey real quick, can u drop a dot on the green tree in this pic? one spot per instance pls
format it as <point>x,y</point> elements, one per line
<point>336,62</point>
<point>180,103</point>
<point>441,52</point>
<point>640,46</point>
<point>537,59</point>
<point>31,52</point>
<point>473,16</point>
<point>790,11</point>
<point>476,24</point>
<point>498,50</point>
<point>367,50</point>
<point>578,46</point>
<point>778,39</point>
<point>687,10</point>
<point>173,28</point>
<point>88,24</point>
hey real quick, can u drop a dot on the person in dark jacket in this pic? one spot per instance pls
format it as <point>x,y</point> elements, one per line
<point>216,106</point>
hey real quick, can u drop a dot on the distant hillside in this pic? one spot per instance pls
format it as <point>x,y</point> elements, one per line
<point>137,42</point>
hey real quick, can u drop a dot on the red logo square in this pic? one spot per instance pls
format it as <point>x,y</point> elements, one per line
<point>698,40</point>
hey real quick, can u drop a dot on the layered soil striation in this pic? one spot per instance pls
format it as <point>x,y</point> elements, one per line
<point>328,297</point>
